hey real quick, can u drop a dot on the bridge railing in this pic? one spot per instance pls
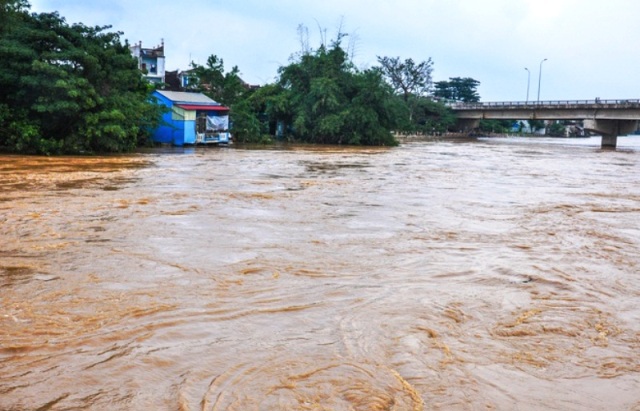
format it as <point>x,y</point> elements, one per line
<point>533,104</point>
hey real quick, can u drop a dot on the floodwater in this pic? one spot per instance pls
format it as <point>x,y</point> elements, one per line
<point>489,274</point>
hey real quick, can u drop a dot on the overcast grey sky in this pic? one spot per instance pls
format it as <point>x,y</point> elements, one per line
<point>592,46</point>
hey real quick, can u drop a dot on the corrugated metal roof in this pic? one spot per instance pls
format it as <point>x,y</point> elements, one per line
<point>187,98</point>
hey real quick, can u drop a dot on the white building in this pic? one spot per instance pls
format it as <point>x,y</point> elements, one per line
<point>150,61</point>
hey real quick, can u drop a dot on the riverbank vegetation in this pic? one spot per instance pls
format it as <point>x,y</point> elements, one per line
<point>322,97</point>
<point>77,89</point>
<point>68,88</point>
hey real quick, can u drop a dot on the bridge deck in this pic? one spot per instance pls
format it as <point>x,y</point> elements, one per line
<point>550,110</point>
<point>555,104</point>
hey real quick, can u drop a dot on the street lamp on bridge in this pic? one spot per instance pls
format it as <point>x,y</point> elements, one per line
<point>540,79</point>
<point>528,82</point>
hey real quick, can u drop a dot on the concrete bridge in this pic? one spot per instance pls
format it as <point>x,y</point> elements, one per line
<point>609,118</point>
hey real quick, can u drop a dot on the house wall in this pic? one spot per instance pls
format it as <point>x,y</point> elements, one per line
<point>179,125</point>
<point>154,66</point>
<point>170,132</point>
<point>187,122</point>
<point>151,60</point>
<point>161,65</point>
<point>189,136</point>
<point>150,64</point>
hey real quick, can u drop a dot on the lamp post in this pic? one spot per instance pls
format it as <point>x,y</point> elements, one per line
<point>540,79</point>
<point>528,82</point>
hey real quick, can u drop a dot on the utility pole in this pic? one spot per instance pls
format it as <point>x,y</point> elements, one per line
<point>528,82</point>
<point>540,79</point>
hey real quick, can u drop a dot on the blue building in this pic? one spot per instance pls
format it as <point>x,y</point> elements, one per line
<point>193,118</point>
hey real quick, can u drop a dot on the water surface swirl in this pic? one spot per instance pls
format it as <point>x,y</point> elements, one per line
<point>454,275</point>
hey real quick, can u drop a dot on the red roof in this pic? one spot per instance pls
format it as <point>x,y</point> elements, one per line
<point>202,107</point>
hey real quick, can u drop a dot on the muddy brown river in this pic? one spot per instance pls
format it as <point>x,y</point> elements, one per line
<point>489,274</point>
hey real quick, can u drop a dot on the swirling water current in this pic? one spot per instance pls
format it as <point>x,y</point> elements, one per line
<point>488,274</point>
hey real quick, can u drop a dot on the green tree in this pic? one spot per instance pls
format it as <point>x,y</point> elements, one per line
<point>271,105</point>
<point>496,126</point>
<point>457,89</point>
<point>247,127</point>
<point>225,88</point>
<point>68,89</point>
<point>323,98</point>
<point>411,83</point>
<point>536,125</point>
<point>557,129</point>
<point>406,77</point>
<point>432,117</point>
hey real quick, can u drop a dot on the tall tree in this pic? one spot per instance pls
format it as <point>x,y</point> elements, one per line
<point>211,79</point>
<point>407,77</point>
<point>329,101</point>
<point>68,89</point>
<point>430,116</point>
<point>458,89</point>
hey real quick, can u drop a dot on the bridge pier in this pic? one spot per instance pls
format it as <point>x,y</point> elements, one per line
<point>609,141</point>
<point>611,129</point>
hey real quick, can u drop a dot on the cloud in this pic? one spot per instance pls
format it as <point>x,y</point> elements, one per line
<point>590,46</point>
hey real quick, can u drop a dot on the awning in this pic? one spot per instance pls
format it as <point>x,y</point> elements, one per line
<point>202,107</point>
